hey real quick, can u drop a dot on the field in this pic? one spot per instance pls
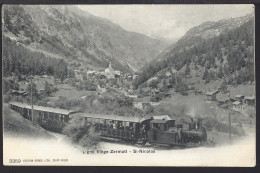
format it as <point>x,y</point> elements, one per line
<point>70,92</point>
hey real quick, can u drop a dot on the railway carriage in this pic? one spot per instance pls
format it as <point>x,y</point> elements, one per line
<point>52,119</point>
<point>119,127</point>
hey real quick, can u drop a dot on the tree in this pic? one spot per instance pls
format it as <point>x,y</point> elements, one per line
<point>47,88</point>
<point>220,72</point>
<point>205,74</point>
<point>181,87</point>
<point>153,84</point>
<point>211,76</point>
<point>71,74</point>
<point>187,70</point>
<point>34,90</point>
<point>164,86</point>
<point>223,87</point>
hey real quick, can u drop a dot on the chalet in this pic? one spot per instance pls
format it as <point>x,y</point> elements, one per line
<point>91,73</point>
<point>134,77</point>
<point>41,91</point>
<point>160,85</point>
<point>222,99</point>
<point>211,96</point>
<point>145,104</point>
<point>19,93</point>
<point>138,105</point>
<point>239,98</point>
<point>237,106</point>
<point>167,95</point>
<point>117,74</point>
<point>198,92</point>
<point>154,91</point>
<point>154,103</point>
<point>249,100</point>
<point>102,75</point>
<point>168,74</point>
<point>161,117</point>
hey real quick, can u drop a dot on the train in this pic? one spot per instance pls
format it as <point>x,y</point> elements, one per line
<point>136,130</point>
<point>52,119</point>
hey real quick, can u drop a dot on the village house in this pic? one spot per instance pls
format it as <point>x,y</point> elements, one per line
<point>161,117</point>
<point>223,101</point>
<point>237,106</point>
<point>198,92</point>
<point>19,93</point>
<point>145,104</point>
<point>211,96</point>
<point>146,90</point>
<point>134,77</point>
<point>154,91</point>
<point>168,83</point>
<point>249,100</point>
<point>168,74</point>
<point>239,98</point>
<point>41,91</point>
<point>138,105</point>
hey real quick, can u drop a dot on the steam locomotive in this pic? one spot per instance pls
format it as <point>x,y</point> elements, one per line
<point>155,131</point>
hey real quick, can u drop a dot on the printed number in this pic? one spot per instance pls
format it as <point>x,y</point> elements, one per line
<point>14,160</point>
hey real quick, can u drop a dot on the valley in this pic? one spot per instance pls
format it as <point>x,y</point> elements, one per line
<point>63,57</point>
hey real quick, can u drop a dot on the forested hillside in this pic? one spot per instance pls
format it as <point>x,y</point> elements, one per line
<point>228,55</point>
<point>77,36</point>
<point>19,60</point>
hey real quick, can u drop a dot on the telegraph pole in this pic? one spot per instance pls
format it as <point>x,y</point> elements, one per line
<point>32,99</point>
<point>229,116</point>
<point>31,92</point>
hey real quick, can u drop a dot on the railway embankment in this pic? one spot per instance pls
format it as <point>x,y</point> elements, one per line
<point>16,126</point>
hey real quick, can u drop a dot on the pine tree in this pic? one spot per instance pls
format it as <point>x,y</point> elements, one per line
<point>187,70</point>
<point>220,72</point>
<point>205,74</point>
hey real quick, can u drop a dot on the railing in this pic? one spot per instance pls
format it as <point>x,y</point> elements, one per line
<point>126,134</point>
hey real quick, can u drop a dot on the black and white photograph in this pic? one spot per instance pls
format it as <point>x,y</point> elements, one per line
<point>129,85</point>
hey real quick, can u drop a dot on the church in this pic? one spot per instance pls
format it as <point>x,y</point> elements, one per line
<point>111,73</point>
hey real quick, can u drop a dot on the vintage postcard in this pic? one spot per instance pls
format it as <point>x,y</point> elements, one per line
<point>129,85</point>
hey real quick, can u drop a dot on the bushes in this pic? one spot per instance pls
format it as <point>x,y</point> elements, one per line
<point>156,97</point>
<point>212,124</point>
<point>81,134</point>
<point>9,84</point>
<point>181,87</point>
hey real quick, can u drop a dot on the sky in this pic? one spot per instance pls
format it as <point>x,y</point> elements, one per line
<point>165,21</point>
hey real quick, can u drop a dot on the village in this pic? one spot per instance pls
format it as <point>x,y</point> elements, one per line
<point>153,94</point>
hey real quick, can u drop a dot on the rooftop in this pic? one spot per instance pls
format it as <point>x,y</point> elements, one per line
<point>222,97</point>
<point>162,117</point>
<point>238,96</point>
<point>250,97</point>
<point>211,93</point>
<point>110,117</point>
<point>236,103</point>
<point>43,108</point>
<point>159,121</point>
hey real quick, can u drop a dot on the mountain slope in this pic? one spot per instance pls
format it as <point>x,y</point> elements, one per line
<point>70,33</point>
<point>212,50</point>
